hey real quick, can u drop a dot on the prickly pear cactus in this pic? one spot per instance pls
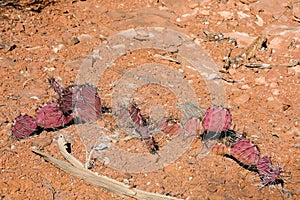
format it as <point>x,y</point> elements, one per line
<point>50,116</point>
<point>83,101</point>
<point>24,126</point>
<point>216,119</point>
<point>244,151</point>
<point>268,173</point>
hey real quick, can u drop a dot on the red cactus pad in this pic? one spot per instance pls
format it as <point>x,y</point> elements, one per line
<point>83,101</point>
<point>216,119</point>
<point>50,116</point>
<point>24,126</point>
<point>267,171</point>
<point>245,152</point>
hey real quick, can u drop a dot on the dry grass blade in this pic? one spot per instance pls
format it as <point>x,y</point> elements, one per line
<point>77,169</point>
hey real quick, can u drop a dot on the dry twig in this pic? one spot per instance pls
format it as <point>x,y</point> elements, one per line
<point>76,168</point>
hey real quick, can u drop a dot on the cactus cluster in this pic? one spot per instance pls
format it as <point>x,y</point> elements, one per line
<point>216,122</point>
<point>79,103</point>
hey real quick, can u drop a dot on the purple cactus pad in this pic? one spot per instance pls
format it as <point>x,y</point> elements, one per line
<point>216,119</point>
<point>24,126</point>
<point>83,101</point>
<point>268,173</point>
<point>50,116</point>
<point>245,152</point>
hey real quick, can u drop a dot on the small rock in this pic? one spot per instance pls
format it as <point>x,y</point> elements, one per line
<point>85,37</point>
<point>242,99</point>
<point>126,181</point>
<point>274,85</point>
<point>260,81</point>
<point>270,99</point>
<point>260,21</point>
<point>100,147</point>
<point>275,92</point>
<point>193,5</point>
<point>245,87</point>
<point>226,14</point>
<point>204,12</point>
<point>242,15</point>
<point>58,48</point>
<point>74,40</point>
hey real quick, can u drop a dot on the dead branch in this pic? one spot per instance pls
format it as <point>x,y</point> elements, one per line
<point>76,168</point>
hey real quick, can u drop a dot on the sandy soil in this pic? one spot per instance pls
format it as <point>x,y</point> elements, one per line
<point>261,79</point>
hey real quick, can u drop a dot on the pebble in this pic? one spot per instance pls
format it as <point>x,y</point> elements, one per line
<point>245,87</point>
<point>270,99</point>
<point>274,85</point>
<point>260,81</point>
<point>100,147</point>
<point>242,99</point>
<point>226,15</point>
<point>126,181</point>
<point>204,12</point>
<point>193,5</point>
<point>242,15</point>
<point>275,92</point>
<point>74,40</point>
<point>85,37</point>
<point>260,21</point>
<point>58,48</point>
